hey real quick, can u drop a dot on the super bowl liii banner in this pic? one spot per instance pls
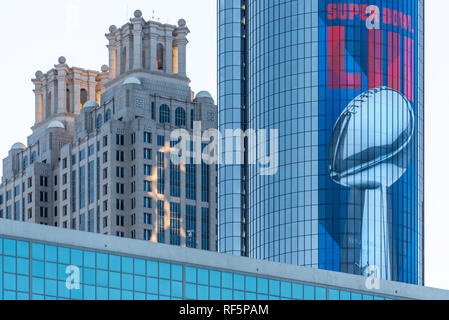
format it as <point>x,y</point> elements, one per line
<point>368,137</point>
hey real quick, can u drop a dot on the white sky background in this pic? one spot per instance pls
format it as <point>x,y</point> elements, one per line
<point>36,33</point>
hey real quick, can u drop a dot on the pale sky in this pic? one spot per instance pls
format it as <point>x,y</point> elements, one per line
<point>36,33</point>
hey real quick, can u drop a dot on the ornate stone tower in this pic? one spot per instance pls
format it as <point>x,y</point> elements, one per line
<point>151,46</point>
<point>62,91</point>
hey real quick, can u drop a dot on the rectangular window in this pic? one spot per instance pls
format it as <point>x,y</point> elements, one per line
<point>17,211</point>
<point>147,186</point>
<point>147,218</point>
<point>133,203</point>
<point>161,173</point>
<point>175,224</point>
<point>91,150</point>
<point>90,222</point>
<point>82,155</point>
<point>147,137</point>
<point>161,221</point>
<point>147,203</point>
<point>16,191</point>
<point>120,156</point>
<point>161,141</point>
<point>64,163</point>
<point>205,228</point>
<point>191,180</point>
<point>120,221</point>
<point>204,181</point>
<point>133,220</point>
<point>175,180</point>
<point>133,138</point>
<point>147,154</point>
<point>191,226</point>
<point>73,191</point>
<point>43,211</point>
<point>120,188</point>
<point>91,182</point>
<point>120,140</point>
<point>120,172</point>
<point>82,187</point>
<point>82,222</point>
<point>43,181</point>
<point>147,235</point>
<point>98,178</point>
<point>147,170</point>
<point>133,155</point>
<point>120,204</point>
<point>133,171</point>
<point>105,141</point>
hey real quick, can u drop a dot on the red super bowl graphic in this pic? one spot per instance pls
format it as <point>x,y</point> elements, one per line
<point>396,61</point>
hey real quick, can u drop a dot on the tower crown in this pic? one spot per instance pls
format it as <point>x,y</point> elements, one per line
<point>147,45</point>
<point>63,90</point>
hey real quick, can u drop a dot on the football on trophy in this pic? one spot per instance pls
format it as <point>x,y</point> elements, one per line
<point>372,140</point>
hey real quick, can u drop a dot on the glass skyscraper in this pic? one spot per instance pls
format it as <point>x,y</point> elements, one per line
<point>343,82</point>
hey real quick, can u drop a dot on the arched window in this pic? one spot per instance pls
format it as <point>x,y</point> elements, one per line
<point>180,117</point>
<point>108,115</point>
<point>33,157</point>
<point>164,114</point>
<point>99,121</point>
<point>83,97</point>
<point>67,101</point>
<point>25,163</point>
<point>48,106</point>
<point>160,57</point>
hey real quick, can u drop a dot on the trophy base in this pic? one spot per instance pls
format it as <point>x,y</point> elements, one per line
<point>367,244</point>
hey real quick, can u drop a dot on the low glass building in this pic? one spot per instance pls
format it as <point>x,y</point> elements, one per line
<point>39,262</point>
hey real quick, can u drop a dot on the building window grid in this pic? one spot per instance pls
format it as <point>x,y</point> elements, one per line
<point>38,271</point>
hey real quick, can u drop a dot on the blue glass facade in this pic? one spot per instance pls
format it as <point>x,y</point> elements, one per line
<point>343,83</point>
<point>39,262</point>
<point>232,96</point>
<point>33,270</point>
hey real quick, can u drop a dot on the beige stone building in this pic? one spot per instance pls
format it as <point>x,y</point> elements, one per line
<point>98,157</point>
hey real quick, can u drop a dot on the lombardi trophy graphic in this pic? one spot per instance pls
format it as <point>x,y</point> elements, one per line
<point>370,150</point>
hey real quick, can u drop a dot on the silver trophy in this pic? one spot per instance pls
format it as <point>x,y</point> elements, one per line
<point>370,150</point>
